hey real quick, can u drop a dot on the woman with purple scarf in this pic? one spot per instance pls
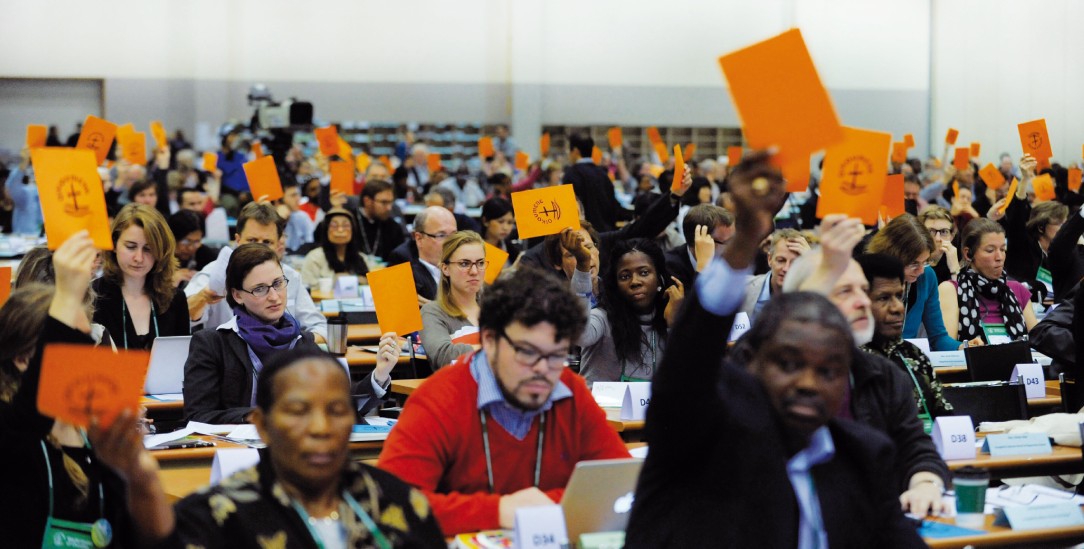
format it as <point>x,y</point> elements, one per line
<point>220,374</point>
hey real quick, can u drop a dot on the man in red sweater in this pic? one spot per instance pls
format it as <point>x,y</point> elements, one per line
<point>503,428</point>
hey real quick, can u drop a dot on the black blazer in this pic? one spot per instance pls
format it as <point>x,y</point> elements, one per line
<point>679,265</point>
<point>593,187</point>
<point>218,378</point>
<point>107,312</point>
<point>423,281</point>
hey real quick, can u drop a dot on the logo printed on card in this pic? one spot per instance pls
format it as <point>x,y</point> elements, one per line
<point>849,172</point>
<point>1035,140</point>
<point>544,213</point>
<point>69,190</point>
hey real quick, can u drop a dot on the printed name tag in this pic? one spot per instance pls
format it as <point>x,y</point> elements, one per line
<point>229,461</point>
<point>1017,444</point>
<point>741,325</point>
<point>1033,517</point>
<point>944,359</point>
<point>1031,375</point>
<point>609,394</point>
<point>954,437</point>
<point>634,404</point>
<point>346,287</point>
<point>542,526</point>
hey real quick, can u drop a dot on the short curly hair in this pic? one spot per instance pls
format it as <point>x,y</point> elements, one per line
<point>530,296</point>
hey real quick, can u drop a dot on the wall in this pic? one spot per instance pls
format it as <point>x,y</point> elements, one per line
<point>531,62</point>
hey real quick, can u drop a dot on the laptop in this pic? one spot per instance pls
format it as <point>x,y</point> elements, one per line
<point>166,372</point>
<point>996,362</point>
<point>599,496</point>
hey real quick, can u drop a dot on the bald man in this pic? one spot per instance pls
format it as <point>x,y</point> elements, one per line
<point>432,226</point>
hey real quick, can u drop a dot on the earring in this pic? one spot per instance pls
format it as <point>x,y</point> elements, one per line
<point>660,289</point>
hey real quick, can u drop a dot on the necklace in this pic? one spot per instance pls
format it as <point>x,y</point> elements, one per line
<point>332,518</point>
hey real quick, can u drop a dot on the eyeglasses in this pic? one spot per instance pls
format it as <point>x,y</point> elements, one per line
<point>465,265</point>
<point>530,357</point>
<point>340,226</point>
<point>438,236</point>
<point>260,291</point>
<point>186,242</point>
<point>943,233</point>
<point>914,265</point>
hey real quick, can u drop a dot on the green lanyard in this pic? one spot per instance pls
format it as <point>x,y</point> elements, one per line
<point>489,458</point>
<point>378,536</point>
<point>59,533</point>
<point>627,378</point>
<point>124,320</point>
<point>927,421</point>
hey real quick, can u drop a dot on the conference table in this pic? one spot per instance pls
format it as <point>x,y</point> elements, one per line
<point>999,536</point>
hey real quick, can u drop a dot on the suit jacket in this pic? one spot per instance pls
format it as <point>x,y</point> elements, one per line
<point>218,378</point>
<point>752,293</point>
<point>423,280</point>
<point>680,266</point>
<point>594,189</point>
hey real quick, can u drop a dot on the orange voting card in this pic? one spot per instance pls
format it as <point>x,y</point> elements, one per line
<point>950,137</point>
<point>342,177</point>
<point>796,174</point>
<point>135,148</point>
<point>485,147</point>
<point>1012,194</point>
<point>5,284</point>
<point>97,135</point>
<point>395,299</point>
<point>386,162</point>
<point>992,176</point>
<point>495,260</point>
<point>36,135</point>
<point>210,161</point>
<point>328,140</point>
<point>158,132</point>
<point>614,135</point>
<point>545,211</point>
<point>544,144</point>
<point>653,135</point>
<point>124,133</point>
<point>1043,185</point>
<point>975,149</point>
<point>660,149</point>
<point>899,152</point>
<point>362,161</point>
<point>855,175</point>
<point>690,150</point>
<point>1074,179</point>
<point>523,161</point>
<point>71,194</point>
<point>893,204</point>
<point>596,155</point>
<point>432,162</point>
<point>733,156</point>
<point>780,98</point>
<point>263,179</point>
<point>679,169</point>
<point>1042,164</point>
<point>955,189</point>
<point>80,382</point>
<point>1035,140</point>
<point>257,150</point>
<point>962,158</point>
<point>346,152</point>
<point>909,140</point>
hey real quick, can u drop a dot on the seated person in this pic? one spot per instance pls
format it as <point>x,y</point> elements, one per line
<point>625,336</point>
<point>454,313</point>
<point>713,225</point>
<point>945,259</point>
<point>563,260</point>
<point>380,233</point>
<point>885,274</point>
<point>982,302</point>
<point>258,223</point>
<point>37,267</point>
<point>305,491</point>
<point>431,227</point>
<point>534,418</point>
<point>191,254</point>
<point>53,471</point>
<point>220,374</point>
<point>338,251</point>
<point>498,222</point>
<point>779,470</point>
<point>300,228</point>
<point>784,246</point>
<point>445,198</point>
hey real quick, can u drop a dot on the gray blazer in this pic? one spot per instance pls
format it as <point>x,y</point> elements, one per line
<point>753,288</point>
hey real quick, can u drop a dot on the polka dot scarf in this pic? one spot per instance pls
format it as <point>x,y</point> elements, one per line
<point>971,286</point>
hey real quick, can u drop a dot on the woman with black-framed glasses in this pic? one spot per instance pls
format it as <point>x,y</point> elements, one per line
<point>220,374</point>
<point>451,320</point>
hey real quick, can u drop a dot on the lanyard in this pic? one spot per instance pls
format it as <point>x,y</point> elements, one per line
<point>918,388</point>
<point>489,458</point>
<point>654,363</point>
<point>370,249</point>
<point>378,536</point>
<point>124,320</point>
<point>49,472</point>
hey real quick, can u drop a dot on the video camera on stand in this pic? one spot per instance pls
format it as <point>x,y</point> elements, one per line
<point>275,122</point>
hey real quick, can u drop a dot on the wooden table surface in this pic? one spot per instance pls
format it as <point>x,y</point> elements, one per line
<point>1001,535</point>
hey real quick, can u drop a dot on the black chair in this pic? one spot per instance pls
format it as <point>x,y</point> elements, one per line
<point>1003,402</point>
<point>1072,394</point>
<point>996,362</point>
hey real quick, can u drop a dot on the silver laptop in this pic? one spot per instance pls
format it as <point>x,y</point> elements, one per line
<point>599,496</point>
<point>166,372</point>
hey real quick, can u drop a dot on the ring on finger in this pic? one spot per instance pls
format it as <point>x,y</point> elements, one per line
<point>760,186</point>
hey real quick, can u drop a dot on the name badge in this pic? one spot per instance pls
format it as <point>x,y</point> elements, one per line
<point>954,437</point>
<point>541,526</point>
<point>346,287</point>
<point>741,325</point>
<point>996,334</point>
<point>634,404</point>
<point>1033,517</point>
<point>1031,375</point>
<point>1018,444</point>
<point>229,461</point>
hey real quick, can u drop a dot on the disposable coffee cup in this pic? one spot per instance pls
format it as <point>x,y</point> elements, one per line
<point>326,285</point>
<point>970,485</point>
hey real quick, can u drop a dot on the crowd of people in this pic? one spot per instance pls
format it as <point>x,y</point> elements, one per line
<point>819,415</point>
